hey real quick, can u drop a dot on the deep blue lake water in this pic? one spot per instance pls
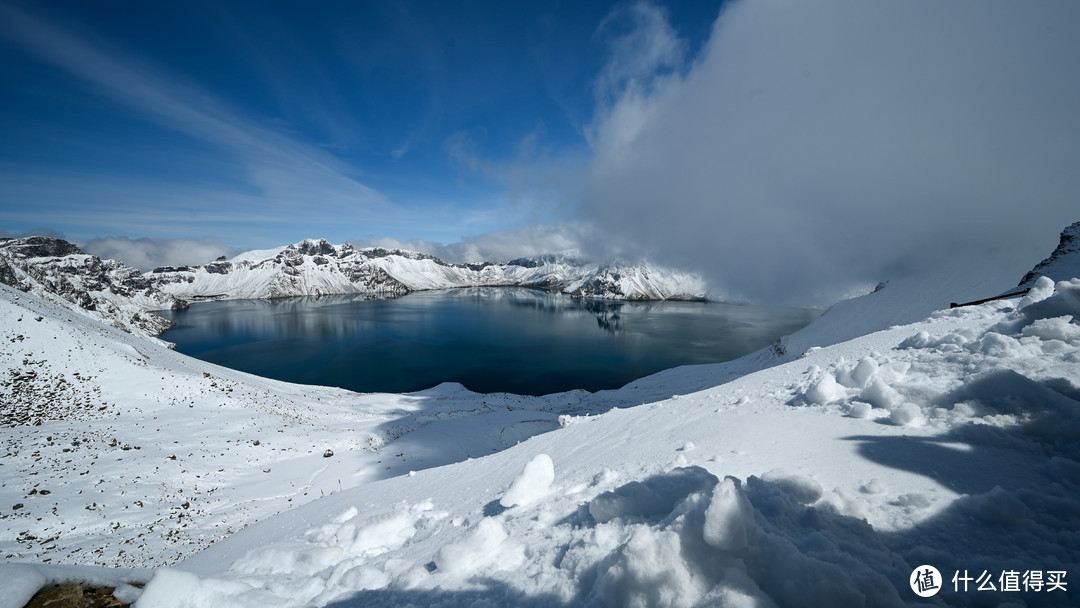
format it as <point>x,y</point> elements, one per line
<point>516,340</point>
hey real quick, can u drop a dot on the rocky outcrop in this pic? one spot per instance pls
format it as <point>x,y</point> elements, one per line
<point>107,290</point>
<point>1063,263</point>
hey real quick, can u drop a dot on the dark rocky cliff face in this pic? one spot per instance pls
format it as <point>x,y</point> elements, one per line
<point>1063,262</point>
<point>115,293</point>
<point>40,247</point>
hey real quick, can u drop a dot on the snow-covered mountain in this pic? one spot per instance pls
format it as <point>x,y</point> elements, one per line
<point>106,290</point>
<point>1063,263</point>
<point>316,267</point>
<point>823,475</point>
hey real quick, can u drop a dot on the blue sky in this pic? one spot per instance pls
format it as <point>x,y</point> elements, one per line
<point>788,151</point>
<point>261,123</point>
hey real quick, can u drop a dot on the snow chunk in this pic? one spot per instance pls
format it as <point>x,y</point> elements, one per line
<point>377,534</point>
<point>825,390</point>
<point>879,394</point>
<point>994,344</point>
<point>1054,328</point>
<point>905,414</point>
<point>919,340</point>
<point>729,519</point>
<point>1041,290</point>
<point>650,570</point>
<point>479,547</point>
<point>860,409</point>
<point>533,483</point>
<point>863,372</point>
<point>1064,301</point>
<point>172,588</point>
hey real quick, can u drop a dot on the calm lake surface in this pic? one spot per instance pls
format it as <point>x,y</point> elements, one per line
<point>516,340</point>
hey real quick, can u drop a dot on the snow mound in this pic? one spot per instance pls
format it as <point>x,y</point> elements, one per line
<point>485,545</point>
<point>651,497</point>
<point>532,484</point>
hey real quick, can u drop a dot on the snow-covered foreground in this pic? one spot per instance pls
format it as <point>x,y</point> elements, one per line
<point>121,452</point>
<point>825,481</point>
<point>798,476</point>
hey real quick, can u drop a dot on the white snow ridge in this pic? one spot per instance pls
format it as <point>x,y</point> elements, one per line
<point>820,472</point>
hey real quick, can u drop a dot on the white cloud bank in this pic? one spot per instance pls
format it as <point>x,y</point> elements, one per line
<point>498,245</point>
<point>813,145</point>
<point>147,254</point>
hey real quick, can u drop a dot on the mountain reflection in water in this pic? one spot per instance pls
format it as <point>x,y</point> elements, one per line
<point>525,341</point>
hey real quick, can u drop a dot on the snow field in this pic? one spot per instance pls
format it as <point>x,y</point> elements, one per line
<point>823,481</point>
<point>142,456</point>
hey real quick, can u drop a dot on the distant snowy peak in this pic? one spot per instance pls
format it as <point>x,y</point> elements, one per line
<point>318,267</point>
<point>1063,263</point>
<point>638,282</point>
<point>106,290</point>
<point>308,268</point>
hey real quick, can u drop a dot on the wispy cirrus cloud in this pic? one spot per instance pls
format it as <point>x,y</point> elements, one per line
<point>282,174</point>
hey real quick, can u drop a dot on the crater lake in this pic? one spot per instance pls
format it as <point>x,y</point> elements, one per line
<point>517,340</point>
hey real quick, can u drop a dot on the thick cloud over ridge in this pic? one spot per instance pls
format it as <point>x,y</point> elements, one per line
<point>498,245</point>
<point>147,254</point>
<point>811,146</point>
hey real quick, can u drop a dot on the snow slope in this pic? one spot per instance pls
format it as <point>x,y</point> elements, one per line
<point>316,267</point>
<point>105,435</point>
<point>822,480</point>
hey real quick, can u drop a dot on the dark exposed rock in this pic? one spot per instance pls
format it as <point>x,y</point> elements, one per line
<point>545,259</point>
<point>313,247</point>
<point>219,267</point>
<point>1068,247</point>
<point>40,247</point>
<point>75,596</point>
